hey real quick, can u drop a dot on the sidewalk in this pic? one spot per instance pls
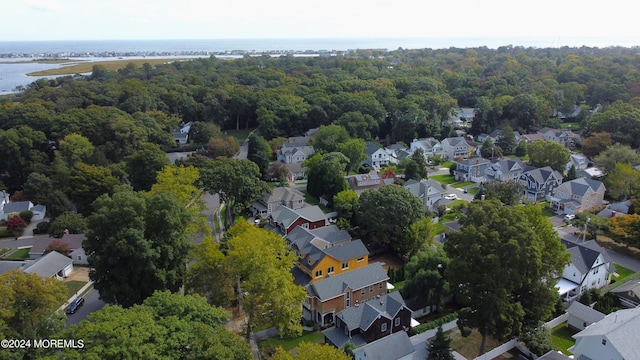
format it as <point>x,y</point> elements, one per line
<point>28,231</point>
<point>80,292</point>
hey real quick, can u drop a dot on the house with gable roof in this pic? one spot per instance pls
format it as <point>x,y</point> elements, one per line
<point>329,296</point>
<point>294,153</point>
<point>616,337</point>
<point>590,268</point>
<point>326,251</point>
<point>628,294</point>
<point>396,346</point>
<point>580,316</point>
<point>430,192</point>
<point>52,265</point>
<point>560,136</point>
<point>504,170</point>
<point>270,201</point>
<point>362,182</point>
<point>455,147</point>
<point>369,321</point>
<point>430,146</point>
<point>539,183</point>
<point>577,195</point>
<point>396,153</point>
<point>377,157</point>
<point>74,241</point>
<point>471,169</point>
<point>284,219</point>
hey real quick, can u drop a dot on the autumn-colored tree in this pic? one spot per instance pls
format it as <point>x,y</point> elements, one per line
<point>626,229</point>
<point>309,351</point>
<point>223,147</point>
<point>58,246</point>
<point>596,143</point>
<point>16,225</point>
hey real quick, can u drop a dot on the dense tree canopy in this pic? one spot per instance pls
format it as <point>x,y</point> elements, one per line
<point>504,265</point>
<point>548,153</point>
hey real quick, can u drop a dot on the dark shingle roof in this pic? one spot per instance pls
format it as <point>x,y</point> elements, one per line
<point>582,256</point>
<point>363,315</point>
<point>355,279</point>
<point>393,346</point>
<point>351,250</point>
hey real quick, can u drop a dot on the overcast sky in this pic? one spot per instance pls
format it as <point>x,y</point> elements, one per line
<point>210,19</point>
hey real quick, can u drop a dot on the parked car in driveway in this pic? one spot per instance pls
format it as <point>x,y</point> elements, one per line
<point>569,217</point>
<point>74,305</point>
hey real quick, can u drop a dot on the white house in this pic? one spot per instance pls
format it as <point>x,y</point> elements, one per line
<point>7,207</point>
<point>430,146</point>
<point>429,191</point>
<point>377,157</point>
<point>294,153</point>
<point>581,316</point>
<point>590,268</point>
<point>616,337</point>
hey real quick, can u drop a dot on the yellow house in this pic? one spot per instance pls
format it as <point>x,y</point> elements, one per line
<point>326,251</point>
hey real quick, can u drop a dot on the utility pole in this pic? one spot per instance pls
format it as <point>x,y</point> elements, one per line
<point>584,234</point>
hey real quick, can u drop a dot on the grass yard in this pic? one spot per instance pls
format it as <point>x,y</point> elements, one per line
<point>86,67</point>
<point>462,184</point>
<point>444,179</point>
<point>470,346</point>
<point>312,200</point>
<point>291,343</point>
<point>561,338</point>
<point>4,233</point>
<point>473,190</point>
<point>73,286</point>
<point>622,271</point>
<point>21,254</point>
<point>240,135</point>
<point>398,285</point>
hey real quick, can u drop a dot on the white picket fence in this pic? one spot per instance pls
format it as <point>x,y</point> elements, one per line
<point>497,351</point>
<point>557,321</point>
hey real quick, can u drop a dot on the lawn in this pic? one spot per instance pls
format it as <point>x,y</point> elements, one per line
<point>473,190</point>
<point>73,287</point>
<point>4,233</point>
<point>398,285</point>
<point>462,184</point>
<point>21,254</point>
<point>622,271</point>
<point>469,346</point>
<point>291,343</point>
<point>312,200</point>
<point>444,179</point>
<point>240,135</point>
<point>561,338</point>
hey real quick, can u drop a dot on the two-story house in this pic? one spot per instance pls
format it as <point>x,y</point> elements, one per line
<point>284,219</point>
<point>590,268</point>
<point>578,195</point>
<point>294,153</point>
<point>616,337</point>
<point>326,251</point>
<point>369,321</point>
<point>377,157</point>
<point>396,153</point>
<point>471,169</point>
<point>455,147</point>
<point>504,170</point>
<point>430,146</point>
<point>430,192</point>
<point>539,183</point>
<point>270,201</point>
<point>560,136</point>
<point>329,296</point>
<point>579,161</point>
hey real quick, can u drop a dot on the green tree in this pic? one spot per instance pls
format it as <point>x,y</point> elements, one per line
<point>346,204</point>
<point>142,167</point>
<point>87,183</point>
<point>425,276</point>
<point>38,187</point>
<point>75,148</point>
<point>622,182</point>
<point>237,181</point>
<point>57,204</point>
<point>325,174</point>
<point>616,154</point>
<point>353,149</point>
<point>548,153</point>
<point>71,222</point>
<point>626,229</point>
<point>508,192</point>
<point>259,152</point>
<point>571,173</point>
<point>309,351</point>
<point>439,347</point>
<point>28,310</point>
<point>145,232</point>
<point>201,132</point>
<point>421,164</point>
<point>398,207</point>
<point>507,140</point>
<point>188,326</point>
<point>262,263</point>
<point>521,149</point>
<point>209,275</point>
<point>489,150</point>
<point>495,239</point>
<point>538,339</point>
<point>328,138</point>
<point>621,120</point>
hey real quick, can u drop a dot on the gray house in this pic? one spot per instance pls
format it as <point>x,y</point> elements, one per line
<point>581,316</point>
<point>471,169</point>
<point>539,182</point>
<point>52,265</point>
<point>504,170</point>
<point>430,192</point>
<point>628,294</point>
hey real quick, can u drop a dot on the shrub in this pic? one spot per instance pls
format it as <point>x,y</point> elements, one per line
<point>434,323</point>
<point>41,228</point>
<point>26,215</point>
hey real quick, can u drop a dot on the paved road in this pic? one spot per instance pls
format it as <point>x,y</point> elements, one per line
<point>92,303</point>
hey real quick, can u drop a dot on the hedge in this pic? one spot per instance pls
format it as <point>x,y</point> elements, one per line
<point>434,324</point>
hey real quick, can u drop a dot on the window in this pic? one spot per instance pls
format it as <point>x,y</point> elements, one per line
<point>318,273</point>
<point>371,288</point>
<point>604,341</point>
<point>345,265</point>
<point>348,298</point>
<point>305,225</point>
<point>383,327</point>
<point>380,286</point>
<point>362,291</point>
<point>79,257</point>
<point>330,270</point>
<point>360,259</point>
<point>397,321</point>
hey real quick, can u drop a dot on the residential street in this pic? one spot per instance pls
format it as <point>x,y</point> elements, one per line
<point>92,303</point>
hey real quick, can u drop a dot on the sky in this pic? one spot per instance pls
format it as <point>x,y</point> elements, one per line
<point>22,20</point>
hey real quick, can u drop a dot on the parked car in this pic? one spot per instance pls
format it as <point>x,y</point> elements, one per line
<point>451,197</point>
<point>569,217</point>
<point>74,305</point>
